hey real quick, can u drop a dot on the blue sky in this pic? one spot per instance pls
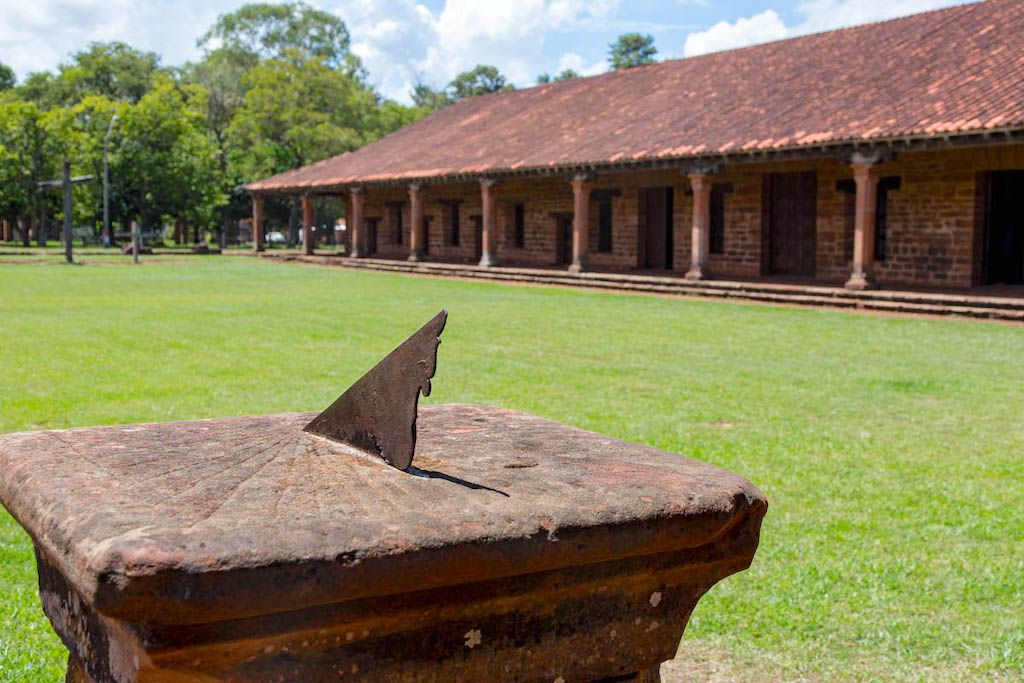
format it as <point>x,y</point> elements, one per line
<point>404,41</point>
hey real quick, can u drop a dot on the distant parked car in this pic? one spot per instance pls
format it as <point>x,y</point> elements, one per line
<point>276,237</point>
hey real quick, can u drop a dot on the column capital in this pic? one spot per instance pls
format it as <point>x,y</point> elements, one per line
<point>869,157</point>
<point>487,183</point>
<point>585,177</point>
<point>702,169</point>
<point>357,189</point>
<point>415,187</point>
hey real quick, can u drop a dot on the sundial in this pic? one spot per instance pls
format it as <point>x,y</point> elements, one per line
<point>376,540</point>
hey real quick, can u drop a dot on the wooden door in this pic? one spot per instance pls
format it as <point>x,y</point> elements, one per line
<point>563,240</point>
<point>658,234</point>
<point>1004,228</point>
<point>791,209</point>
<point>371,235</point>
<point>478,235</point>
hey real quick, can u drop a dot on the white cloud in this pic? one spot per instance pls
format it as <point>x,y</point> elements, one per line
<point>37,35</point>
<point>818,15</point>
<point>402,42</point>
<point>759,28</point>
<point>571,60</point>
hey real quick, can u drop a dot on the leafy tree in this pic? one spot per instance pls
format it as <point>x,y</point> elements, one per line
<point>427,97</point>
<point>565,75</point>
<point>114,70</point>
<point>164,163</point>
<point>221,72</point>
<point>33,145</point>
<point>298,110</point>
<point>268,31</point>
<point>7,78</point>
<point>479,81</point>
<point>631,49</point>
<point>391,116</point>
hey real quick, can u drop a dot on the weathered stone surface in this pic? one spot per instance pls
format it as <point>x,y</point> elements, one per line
<point>245,548</point>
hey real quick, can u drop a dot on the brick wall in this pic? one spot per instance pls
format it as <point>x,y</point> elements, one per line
<point>935,221</point>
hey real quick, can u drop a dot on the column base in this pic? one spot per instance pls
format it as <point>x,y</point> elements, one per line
<point>860,282</point>
<point>416,257</point>
<point>356,253</point>
<point>578,268</point>
<point>487,261</point>
<point>698,274</point>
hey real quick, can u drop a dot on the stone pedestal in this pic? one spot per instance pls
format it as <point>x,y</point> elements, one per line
<point>246,549</point>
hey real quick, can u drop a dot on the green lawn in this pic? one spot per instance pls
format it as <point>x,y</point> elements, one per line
<point>890,449</point>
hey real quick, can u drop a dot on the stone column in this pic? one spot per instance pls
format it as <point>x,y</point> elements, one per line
<point>489,200</point>
<point>357,195</point>
<point>6,229</point>
<point>307,223</point>
<point>581,186</point>
<point>418,237</point>
<point>865,174</point>
<point>701,231</point>
<point>257,222</point>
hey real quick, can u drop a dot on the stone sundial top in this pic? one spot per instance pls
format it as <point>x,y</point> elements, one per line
<point>185,522</point>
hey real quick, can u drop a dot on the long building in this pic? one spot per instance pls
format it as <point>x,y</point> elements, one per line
<point>889,154</point>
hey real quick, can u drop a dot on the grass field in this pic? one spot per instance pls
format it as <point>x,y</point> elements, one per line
<point>891,450</point>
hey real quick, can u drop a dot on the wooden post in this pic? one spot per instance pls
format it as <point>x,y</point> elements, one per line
<point>701,230</point>
<point>307,223</point>
<point>357,196</point>
<point>418,237</point>
<point>489,201</point>
<point>581,185</point>
<point>865,174</point>
<point>67,212</point>
<point>136,239</point>
<point>257,223</point>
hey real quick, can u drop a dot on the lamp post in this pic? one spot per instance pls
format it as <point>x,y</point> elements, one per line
<point>106,183</point>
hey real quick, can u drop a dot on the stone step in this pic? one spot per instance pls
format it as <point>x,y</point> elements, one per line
<point>997,308</point>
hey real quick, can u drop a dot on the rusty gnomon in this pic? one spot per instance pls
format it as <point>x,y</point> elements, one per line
<point>377,414</point>
<point>253,548</point>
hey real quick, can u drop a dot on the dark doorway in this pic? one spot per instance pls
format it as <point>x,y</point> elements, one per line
<point>563,239</point>
<point>478,235</point>
<point>658,236</point>
<point>371,235</point>
<point>1004,228</point>
<point>791,201</point>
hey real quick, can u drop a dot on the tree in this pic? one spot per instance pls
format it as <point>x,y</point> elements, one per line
<point>479,81</point>
<point>33,145</point>
<point>114,70</point>
<point>268,31</point>
<point>7,78</point>
<point>565,75</point>
<point>631,49</point>
<point>164,163</point>
<point>298,110</point>
<point>426,97</point>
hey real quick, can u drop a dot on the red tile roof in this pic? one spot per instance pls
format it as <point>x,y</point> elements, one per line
<point>946,71</point>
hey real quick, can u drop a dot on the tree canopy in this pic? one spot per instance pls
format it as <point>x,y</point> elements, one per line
<point>7,78</point>
<point>480,80</point>
<point>268,31</point>
<point>565,75</point>
<point>631,49</point>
